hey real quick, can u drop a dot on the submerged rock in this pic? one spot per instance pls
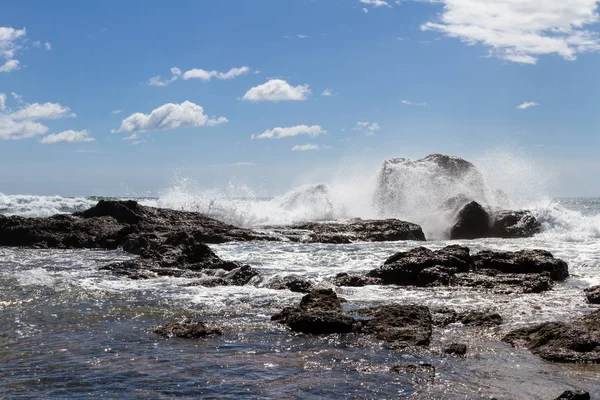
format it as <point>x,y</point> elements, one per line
<point>528,271</point>
<point>480,318</point>
<point>569,342</point>
<point>421,373</point>
<point>593,294</point>
<point>457,349</point>
<point>351,231</point>
<point>344,279</point>
<point>188,329</point>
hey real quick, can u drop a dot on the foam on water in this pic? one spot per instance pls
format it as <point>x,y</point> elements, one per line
<point>42,206</point>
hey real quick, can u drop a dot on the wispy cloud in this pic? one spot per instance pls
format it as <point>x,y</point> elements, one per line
<point>519,31</point>
<point>68,137</point>
<point>277,90</point>
<point>197,73</point>
<point>308,147</point>
<point>280,133</point>
<point>369,128</point>
<point>412,103</point>
<point>376,3</point>
<point>169,116</point>
<point>327,93</point>
<point>527,104</point>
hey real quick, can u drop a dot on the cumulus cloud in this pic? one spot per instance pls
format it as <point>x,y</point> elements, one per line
<point>376,3</point>
<point>412,103</point>
<point>169,116</point>
<point>277,90</point>
<point>369,128</point>
<point>521,31</point>
<point>10,65</point>
<point>197,73</point>
<point>308,146</point>
<point>527,104</point>
<point>280,133</point>
<point>11,41</point>
<point>24,122</point>
<point>68,137</point>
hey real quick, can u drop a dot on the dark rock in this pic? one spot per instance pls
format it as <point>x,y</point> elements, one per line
<point>523,262</point>
<point>318,323</point>
<point>514,224</point>
<point>400,325</point>
<point>344,279</point>
<point>480,318</point>
<point>457,349</point>
<point>188,329</point>
<point>321,300</point>
<point>593,294</point>
<point>351,231</point>
<point>574,395</point>
<point>293,283</point>
<point>241,275</point>
<point>443,316</point>
<point>472,222</point>
<point>423,267</point>
<point>575,341</point>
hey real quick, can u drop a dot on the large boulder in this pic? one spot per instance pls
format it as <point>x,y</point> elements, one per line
<point>593,294</point>
<point>400,325</point>
<point>473,222</point>
<point>514,224</point>
<point>572,342</point>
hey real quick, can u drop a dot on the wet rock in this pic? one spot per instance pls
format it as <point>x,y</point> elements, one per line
<point>351,231</point>
<point>291,282</point>
<point>443,316</point>
<point>514,224</point>
<point>457,349</point>
<point>522,262</point>
<point>188,329</point>
<point>241,275</point>
<point>575,341</point>
<point>574,395</point>
<point>400,325</point>
<point>344,279</point>
<point>593,294</point>
<point>472,222</point>
<point>423,267</point>
<point>480,318</point>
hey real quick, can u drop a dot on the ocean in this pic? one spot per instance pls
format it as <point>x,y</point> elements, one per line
<point>70,330</point>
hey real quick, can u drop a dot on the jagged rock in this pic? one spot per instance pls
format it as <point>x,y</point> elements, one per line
<point>344,279</point>
<point>188,329</point>
<point>480,318</point>
<point>575,341</point>
<point>522,262</point>
<point>593,294</point>
<point>400,325</point>
<point>574,395</point>
<point>457,349</point>
<point>293,283</point>
<point>514,224</point>
<point>473,222</point>
<point>351,231</point>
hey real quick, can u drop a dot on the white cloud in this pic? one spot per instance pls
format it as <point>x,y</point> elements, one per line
<point>309,146</point>
<point>412,103</point>
<point>117,111</point>
<point>48,46</point>
<point>68,137</point>
<point>2,101</point>
<point>365,10</point>
<point>169,116</point>
<point>302,36</point>
<point>376,3</point>
<point>9,66</point>
<point>277,90</point>
<point>521,31</point>
<point>527,104</point>
<point>369,128</point>
<point>280,133</point>
<point>24,122</point>
<point>37,111</point>
<point>197,73</point>
<point>133,136</point>
<point>327,93</point>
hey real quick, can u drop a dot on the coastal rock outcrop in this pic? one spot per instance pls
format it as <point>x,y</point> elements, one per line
<point>347,232</point>
<point>593,294</point>
<point>321,312</point>
<point>530,271</point>
<point>567,342</point>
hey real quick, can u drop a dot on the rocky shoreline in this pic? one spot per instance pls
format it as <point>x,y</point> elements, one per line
<point>176,243</point>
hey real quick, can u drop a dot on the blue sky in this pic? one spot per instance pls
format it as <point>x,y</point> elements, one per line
<point>273,93</point>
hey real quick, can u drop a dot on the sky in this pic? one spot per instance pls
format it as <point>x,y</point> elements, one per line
<point>130,97</point>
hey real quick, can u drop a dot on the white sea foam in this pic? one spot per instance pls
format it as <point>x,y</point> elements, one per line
<point>42,206</point>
